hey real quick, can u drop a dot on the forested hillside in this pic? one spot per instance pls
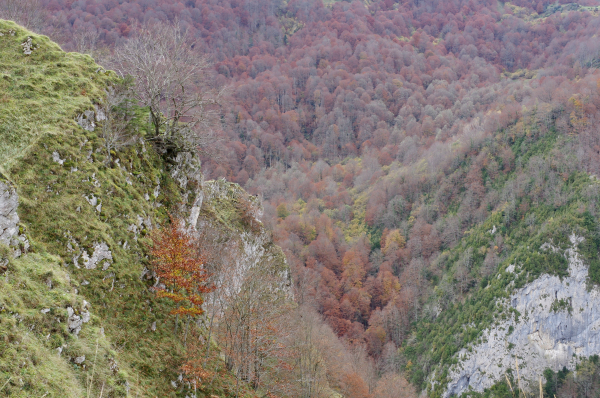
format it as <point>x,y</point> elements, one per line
<point>415,159</point>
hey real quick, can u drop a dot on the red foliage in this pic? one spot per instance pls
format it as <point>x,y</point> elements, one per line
<point>179,268</point>
<point>358,118</point>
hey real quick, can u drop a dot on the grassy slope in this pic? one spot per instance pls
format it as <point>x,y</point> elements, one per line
<point>40,97</point>
<point>524,227</point>
<point>40,94</point>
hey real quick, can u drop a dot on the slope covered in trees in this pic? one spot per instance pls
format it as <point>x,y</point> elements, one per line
<point>100,294</point>
<point>384,137</point>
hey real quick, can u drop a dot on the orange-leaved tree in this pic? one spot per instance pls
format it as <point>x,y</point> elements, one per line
<point>180,268</point>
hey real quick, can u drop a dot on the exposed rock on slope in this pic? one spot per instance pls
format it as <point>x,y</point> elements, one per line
<point>8,214</point>
<point>235,217</point>
<point>82,298</point>
<point>556,323</point>
<point>9,220</point>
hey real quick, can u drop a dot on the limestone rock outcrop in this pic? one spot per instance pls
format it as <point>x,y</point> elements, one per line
<point>86,120</point>
<point>9,200</point>
<point>9,220</point>
<point>559,323</point>
<point>252,244</point>
<point>101,252</point>
<point>75,321</point>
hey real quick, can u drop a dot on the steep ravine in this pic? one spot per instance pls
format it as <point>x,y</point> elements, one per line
<point>557,322</point>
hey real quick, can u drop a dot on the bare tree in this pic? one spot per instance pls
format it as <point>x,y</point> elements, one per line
<point>246,313</point>
<point>362,364</point>
<point>29,13</point>
<point>86,39</point>
<point>247,328</point>
<point>173,81</point>
<point>307,347</point>
<point>393,385</point>
<point>463,277</point>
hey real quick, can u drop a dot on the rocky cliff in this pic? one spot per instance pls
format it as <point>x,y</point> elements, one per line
<point>252,244</point>
<point>555,323</point>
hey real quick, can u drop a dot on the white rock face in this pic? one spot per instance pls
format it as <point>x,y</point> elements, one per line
<point>100,114</point>
<point>27,46</point>
<point>56,158</point>
<point>545,336</point>
<point>101,252</point>
<point>86,120</point>
<point>75,322</point>
<point>252,255</point>
<point>9,220</point>
<point>9,200</point>
<point>186,169</point>
<point>251,248</point>
<point>195,210</point>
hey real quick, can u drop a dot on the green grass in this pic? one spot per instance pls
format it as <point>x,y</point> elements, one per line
<point>41,93</point>
<point>40,97</point>
<point>29,359</point>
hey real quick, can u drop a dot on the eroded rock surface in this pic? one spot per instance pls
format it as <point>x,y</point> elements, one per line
<point>75,321</point>
<point>86,120</point>
<point>101,253</point>
<point>9,200</point>
<point>252,248</point>
<point>9,220</point>
<point>27,46</point>
<point>559,322</point>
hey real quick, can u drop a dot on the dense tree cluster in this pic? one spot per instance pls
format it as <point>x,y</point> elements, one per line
<point>370,132</point>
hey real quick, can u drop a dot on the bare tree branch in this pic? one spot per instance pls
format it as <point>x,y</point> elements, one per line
<point>29,13</point>
<point>86,40</point>
<point>173,81</point>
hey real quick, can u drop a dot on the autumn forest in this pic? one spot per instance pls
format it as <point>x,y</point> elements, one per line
<point>382,137</point>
